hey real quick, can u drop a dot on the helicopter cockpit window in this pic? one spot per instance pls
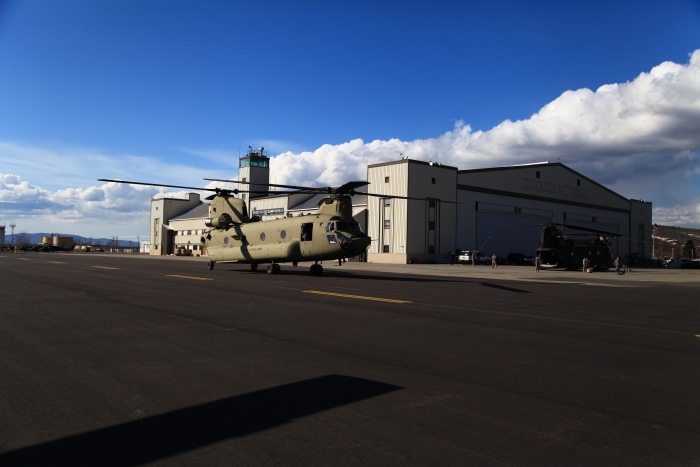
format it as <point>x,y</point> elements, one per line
<point>342,225</point>
<point>307,232</point>
<point>331,239</point>
<point>330,227</point>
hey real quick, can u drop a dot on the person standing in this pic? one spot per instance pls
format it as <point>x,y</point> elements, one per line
<point>585,264</point>
<point>537,263</point>
<point>473,258</point>
<point>494,261</point>
<point>617,265</point>
<point>452,257</point>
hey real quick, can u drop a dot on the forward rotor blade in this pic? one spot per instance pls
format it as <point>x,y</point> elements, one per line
<point>156,184</point>
<point>265,184</point>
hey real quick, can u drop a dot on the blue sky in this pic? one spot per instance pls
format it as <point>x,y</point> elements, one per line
<point>172,91</point>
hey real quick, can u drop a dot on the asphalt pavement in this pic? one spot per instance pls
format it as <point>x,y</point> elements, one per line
<point>125,360</point>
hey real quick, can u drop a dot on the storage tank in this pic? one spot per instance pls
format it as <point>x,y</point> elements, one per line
<point>46,240</point>
<point>63,242</point>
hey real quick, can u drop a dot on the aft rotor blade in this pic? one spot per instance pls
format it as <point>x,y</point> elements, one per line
<point>585,229</point>
<point>350,187</point>
<point>407,197</point>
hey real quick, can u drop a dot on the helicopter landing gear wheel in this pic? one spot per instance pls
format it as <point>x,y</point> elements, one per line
<point>273,268</point>
<point>277,269</point>
<point>254,267</point>
<point>294,264</point>
<point>210,265</point>
<point>316,269</point>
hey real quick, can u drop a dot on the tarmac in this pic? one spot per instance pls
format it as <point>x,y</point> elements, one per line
<point>125,360</point>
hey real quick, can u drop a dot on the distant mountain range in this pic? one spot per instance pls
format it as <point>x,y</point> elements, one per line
<point>35,238</point>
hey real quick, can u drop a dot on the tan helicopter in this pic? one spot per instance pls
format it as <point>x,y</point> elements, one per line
<point>331,234</point>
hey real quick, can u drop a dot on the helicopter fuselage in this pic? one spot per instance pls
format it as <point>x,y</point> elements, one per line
<point>306,238</point>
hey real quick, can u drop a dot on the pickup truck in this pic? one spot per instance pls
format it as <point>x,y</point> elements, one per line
<point>465,257</point>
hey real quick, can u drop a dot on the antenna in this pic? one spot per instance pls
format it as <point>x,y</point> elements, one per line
<point>12,226</point>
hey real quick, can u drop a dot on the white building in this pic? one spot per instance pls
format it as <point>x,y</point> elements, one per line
<point>501,210</point>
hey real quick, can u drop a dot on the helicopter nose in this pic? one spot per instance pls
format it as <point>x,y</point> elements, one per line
<point>363,243</point>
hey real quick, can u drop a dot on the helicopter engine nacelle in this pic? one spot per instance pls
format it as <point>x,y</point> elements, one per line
<point>225,211</point>
<point>221,222</point>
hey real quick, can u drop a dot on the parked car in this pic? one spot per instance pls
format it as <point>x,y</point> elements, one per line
<point>683,263</point>
<point>520,258</point>
<point>465,257</point>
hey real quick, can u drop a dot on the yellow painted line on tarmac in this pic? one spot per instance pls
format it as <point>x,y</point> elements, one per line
<point>103,267</point>
<point>24,259</point>
<point>56,262</point>
<point>697,335</point>
<point>359,297</point>
<point>189,277</point>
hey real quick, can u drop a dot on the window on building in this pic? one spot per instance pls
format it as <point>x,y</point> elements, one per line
<point>386,249</point>
<point>387,224</point>
<point>431,203</point>
<point>387,201</point>
<point>431,250</point>
<point>578,182</point>
<point>431,225</point>
<point>640,232</point>
<point>537,174</point>
<point>386,179</point>
<point>433,181</point>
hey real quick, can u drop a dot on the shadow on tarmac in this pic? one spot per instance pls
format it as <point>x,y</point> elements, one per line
<point>355,275</point>
<point>502,287</point>
<point>160,436</point>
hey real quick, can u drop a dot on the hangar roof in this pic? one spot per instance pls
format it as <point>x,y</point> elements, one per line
<point>542,164</point>
<point>197,212</point>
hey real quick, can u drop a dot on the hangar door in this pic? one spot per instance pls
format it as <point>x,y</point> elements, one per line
<point>504,229</point>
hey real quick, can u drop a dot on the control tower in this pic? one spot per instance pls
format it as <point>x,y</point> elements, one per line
<point>254,167</point>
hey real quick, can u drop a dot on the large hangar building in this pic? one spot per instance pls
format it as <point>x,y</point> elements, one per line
<point>497,210</point>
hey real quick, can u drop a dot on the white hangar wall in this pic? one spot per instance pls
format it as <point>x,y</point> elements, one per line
<point>402,229</point>
<point>502,209</point>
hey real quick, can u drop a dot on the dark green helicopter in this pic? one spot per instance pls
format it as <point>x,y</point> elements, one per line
<point>558,251</point>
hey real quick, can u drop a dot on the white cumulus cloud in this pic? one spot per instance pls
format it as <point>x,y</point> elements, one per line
<point>640,138</point>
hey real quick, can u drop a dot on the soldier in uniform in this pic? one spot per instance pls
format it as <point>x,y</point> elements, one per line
<point>473,258</point>
<point>585,264</point>
<point>537,263</point>
<point>618,264</point>
<point>494,261</point>
<point>452,257</point>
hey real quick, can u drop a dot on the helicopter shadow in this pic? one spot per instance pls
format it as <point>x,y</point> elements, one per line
<point>165,435</point>
<point>327,272</point>
<point>503,287</point>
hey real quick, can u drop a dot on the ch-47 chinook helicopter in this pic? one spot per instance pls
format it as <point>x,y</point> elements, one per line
<point>558,251</point>
<point>331,234</point>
